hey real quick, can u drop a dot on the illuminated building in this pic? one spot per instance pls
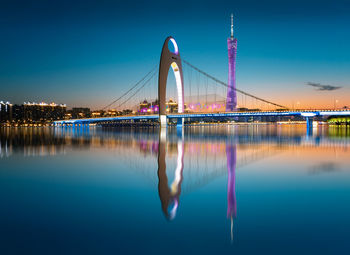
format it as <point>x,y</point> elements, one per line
<point>231,98</point>
<point>95,114</point>
<point>80,112</point>
<point>171,106</point>
<point>112,113</point>
<point>144,104</point>
<point>5,112</point>
<point>146,107</point>
<point>42,112</point>
<point>68,115</point>
<point>17,113</point>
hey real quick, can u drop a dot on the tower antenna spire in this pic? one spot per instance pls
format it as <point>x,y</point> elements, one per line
<point>231,25</point>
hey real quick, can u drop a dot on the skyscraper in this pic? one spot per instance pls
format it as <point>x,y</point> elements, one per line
<point>231,98</point>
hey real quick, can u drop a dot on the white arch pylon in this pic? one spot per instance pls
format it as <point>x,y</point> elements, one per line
<point>169,59</point>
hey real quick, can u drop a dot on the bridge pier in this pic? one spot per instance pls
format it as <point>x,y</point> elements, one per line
<point>309,125</point>
<point>163,121</point>
<point>180,122</point>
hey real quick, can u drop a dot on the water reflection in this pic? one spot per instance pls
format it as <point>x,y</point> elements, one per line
<point>324,167</point>
<point>231,154</point>
<point>53,141</point>
<point>100,173</point>
<point>169,197</point>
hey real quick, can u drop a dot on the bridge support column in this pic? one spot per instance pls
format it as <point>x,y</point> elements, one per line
<point>309,125</point>
<point>180,122</point>
<point>180,132</point>
<point>163,121</point>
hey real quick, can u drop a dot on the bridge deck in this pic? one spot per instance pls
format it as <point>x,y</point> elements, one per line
<point>303,113</point>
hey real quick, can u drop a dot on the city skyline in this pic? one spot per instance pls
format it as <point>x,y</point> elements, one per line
<point>87,54</point>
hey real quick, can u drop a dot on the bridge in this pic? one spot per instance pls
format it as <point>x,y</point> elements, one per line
<point>213,111</point>
<point>307,114</point>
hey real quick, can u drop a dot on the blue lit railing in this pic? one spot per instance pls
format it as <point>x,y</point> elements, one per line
<point>303,113</point>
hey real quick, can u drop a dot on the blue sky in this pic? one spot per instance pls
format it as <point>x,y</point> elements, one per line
<point>86,53</point>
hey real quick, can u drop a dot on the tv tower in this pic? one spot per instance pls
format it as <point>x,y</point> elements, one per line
<point>231,98</point>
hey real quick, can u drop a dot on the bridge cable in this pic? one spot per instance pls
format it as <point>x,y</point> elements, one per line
<point>144,84</point>
<point>133,87</point>
<point>206,92</point>
<point>225,84</point>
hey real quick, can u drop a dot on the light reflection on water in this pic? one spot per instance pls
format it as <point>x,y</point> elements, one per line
<point>249,189</point>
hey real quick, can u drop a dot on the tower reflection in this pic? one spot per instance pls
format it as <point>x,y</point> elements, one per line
<point>170,194</point>
<point>169,197</point>
<point>231,153</point>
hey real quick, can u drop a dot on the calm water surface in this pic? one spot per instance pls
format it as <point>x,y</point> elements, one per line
<point>263,189</point>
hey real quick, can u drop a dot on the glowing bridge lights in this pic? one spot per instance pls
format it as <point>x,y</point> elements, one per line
<point>176,49</point>
<point>308,114</point>
<point>179,86</point>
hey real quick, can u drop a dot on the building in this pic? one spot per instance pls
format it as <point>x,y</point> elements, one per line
<point>146,107</point>
<point>42,112</point>
<point>171,106</point>
<point>5,112</point>
<point>80,112</point>
<point>18,113</point>
<point>231,98</point>
<point>98,114</point>
<point>113,113</point>
<point>31,113</point>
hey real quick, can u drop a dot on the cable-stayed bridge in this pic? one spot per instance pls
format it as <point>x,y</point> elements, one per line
<point>205,97</point>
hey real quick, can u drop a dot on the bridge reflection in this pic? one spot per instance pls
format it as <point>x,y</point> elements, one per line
<point>52,141</point>
<point>169,196</point>
<point>202,154</point>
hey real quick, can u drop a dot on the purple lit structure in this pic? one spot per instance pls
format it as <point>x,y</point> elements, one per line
<point>231,98</point>
<point>231,154</point>
<point>231,168</point>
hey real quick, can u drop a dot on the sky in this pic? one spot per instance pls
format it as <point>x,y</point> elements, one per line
<point>87,53</point>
